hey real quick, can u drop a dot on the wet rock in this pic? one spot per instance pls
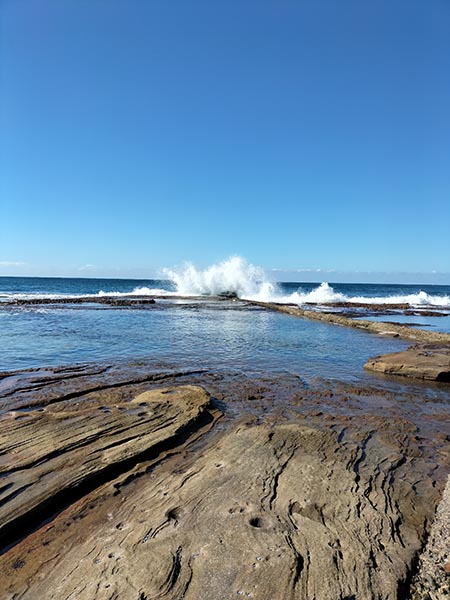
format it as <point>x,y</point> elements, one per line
<point>129,301</point>
<point>367,305</point>
<point>422,362</point>
<point>227,295</point>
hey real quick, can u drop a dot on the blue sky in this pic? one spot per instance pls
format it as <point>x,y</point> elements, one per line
<point>136,134</point>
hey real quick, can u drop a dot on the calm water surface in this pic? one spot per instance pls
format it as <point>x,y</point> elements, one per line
<point>221,335</point>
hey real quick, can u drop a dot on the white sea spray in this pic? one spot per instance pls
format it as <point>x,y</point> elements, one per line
<point>233,275</point>
<point>237,276</point>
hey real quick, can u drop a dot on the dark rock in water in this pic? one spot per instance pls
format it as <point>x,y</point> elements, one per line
<point>366,305</point>
<point>422,362</point>
<point>425,313</point>
<point>227,295</point>
<point>128,301</point>
<point>109,300</point>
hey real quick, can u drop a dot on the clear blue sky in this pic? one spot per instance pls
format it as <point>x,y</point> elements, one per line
<point>135,134</point>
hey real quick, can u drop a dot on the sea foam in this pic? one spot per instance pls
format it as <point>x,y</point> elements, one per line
<point>138,291</point>
<point>324,293</point>
<point>233,275</point>
<point>248,282</point>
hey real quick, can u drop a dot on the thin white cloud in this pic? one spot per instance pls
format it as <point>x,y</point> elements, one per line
<point>87,267</point>
<point>11,263</point>
<point>306,270</point>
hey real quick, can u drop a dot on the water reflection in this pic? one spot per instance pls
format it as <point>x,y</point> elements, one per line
<point>214,336</point>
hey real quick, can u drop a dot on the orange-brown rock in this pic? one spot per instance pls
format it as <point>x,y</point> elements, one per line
<point>115,489</point>
<point>60,449</point>
<point>421,362</point>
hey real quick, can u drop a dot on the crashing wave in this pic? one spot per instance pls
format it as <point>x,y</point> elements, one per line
<point>235,277</point>
<point>232,276</point>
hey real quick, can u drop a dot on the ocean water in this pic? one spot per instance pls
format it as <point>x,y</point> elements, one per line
<point>224,336</point>
<point>292,292</point>
<point>205,332</point>
<point>233,275</point>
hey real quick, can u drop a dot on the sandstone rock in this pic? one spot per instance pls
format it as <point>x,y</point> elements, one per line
<point>265,513</point>
<point>52,452</point>
<point>421,362</point>
<point>330,504</point>
<point>432,578</point>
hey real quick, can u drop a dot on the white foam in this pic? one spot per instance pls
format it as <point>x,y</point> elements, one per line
<point>319,295</point>
<point>139,291</point>
<point>251,283</point>
<point>233,275</point>
<point>324,293</point>
<point>419,299</point>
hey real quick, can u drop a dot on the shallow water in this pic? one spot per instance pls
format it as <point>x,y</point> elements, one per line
<point>420,322</point>
<point>214,335</point>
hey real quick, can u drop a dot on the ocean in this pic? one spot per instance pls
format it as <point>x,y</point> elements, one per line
<point>200,330</point>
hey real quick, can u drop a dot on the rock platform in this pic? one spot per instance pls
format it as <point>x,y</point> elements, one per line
<point>430,362</point>
<point>133,483</point>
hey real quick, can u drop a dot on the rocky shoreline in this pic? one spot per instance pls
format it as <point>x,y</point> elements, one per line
<point>428,358</point>
<point>141,480</point>
<point>378,327</point>
<point>137,481</point>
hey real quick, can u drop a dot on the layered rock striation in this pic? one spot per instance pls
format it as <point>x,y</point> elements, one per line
<point>117,484</point>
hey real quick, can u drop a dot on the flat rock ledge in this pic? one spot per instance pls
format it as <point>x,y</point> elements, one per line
<point>52,454</point>
<point>113,492</point>
<point>428,362</point>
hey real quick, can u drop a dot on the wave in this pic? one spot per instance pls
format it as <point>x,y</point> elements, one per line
<point>324,294</point>
<point>233,275</point>
<point>248,282</point>
<point>139,291</point>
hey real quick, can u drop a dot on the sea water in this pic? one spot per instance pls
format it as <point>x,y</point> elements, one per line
<point>224,336</point>
<point>200,330</point>
<point>216,334</point>
<point>233,275</point>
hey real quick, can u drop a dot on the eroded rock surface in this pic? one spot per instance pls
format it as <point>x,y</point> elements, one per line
<point>422,362</point>
<point>58,449</point>
<point>327,493</point>
<point>432,581</point>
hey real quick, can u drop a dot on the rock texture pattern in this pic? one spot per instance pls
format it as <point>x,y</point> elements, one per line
<point>56,450</point>
<point>432,581</point>
<point>123,485</point>
<point>422,362</point>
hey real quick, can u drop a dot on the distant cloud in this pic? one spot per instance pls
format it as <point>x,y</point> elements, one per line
<point>11,263</point>
<point>306,270</point>
<point>87,267</point>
